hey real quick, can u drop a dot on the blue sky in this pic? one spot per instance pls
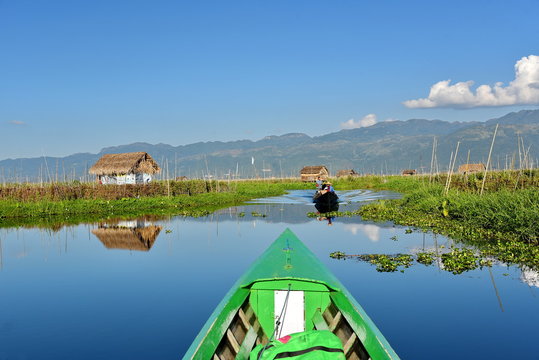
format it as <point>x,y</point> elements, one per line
<point>76,76</point>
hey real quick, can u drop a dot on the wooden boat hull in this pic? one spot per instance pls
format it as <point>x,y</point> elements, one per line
<point>326,199</point>
<point>246,316</point>
<point>324,208</point>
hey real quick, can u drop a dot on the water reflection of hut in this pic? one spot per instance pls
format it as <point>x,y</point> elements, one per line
<point>132,235</point>
<point>126,168</point>
<point>310,173</point>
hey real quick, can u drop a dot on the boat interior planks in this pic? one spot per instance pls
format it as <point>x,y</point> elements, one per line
<point>245,332</point>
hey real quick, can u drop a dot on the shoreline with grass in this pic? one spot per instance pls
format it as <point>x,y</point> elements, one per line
<point>503,222</point>
<point>508,211</point>
<point>23,205</point>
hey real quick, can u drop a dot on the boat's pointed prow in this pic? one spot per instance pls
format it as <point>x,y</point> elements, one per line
<point>287,257</point>
<point>287,276</point>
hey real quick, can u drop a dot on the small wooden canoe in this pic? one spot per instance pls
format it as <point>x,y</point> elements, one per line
<point>328,198</point>
<point>287,276</point>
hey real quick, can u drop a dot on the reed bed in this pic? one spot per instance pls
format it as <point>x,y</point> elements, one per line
<point>34,204</point>
<point>92,191</point>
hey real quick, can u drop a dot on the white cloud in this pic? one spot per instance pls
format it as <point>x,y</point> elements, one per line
<point>367,120</point>
<point>371,231</point>
<point>523,90</point>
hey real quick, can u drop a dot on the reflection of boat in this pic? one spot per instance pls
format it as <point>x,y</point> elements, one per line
<point>128,235</point>
<point>288,291</point>
<point>327,198</point>
<point>323,207</point>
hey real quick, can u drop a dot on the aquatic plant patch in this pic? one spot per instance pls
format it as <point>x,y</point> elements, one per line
<point>456,261</point>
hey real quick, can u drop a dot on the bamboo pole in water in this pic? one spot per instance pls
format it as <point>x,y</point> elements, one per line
<point>488,160</point>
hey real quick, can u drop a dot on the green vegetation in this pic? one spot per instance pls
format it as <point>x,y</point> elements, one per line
<point>502,223</point>
<point>459,260</point>
<point>456,261</point>
<point>425,258</point>
<point>76,202</point>
<point>502,215</point>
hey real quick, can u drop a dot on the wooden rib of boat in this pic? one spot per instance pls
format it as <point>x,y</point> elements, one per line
<point>315,300</point>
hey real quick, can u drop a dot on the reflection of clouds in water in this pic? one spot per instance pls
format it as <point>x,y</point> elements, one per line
<point>530,277</point>
<point>371,231</point>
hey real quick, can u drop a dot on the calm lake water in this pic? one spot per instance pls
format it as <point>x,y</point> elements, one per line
<point>95,291</point>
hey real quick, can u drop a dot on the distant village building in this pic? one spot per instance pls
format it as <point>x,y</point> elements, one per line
<point>347,172</point>
<point>471,168</point>
<point>126,168</point>
<point>128,235</point>
<point>409,172</point>
<point>310,173</point>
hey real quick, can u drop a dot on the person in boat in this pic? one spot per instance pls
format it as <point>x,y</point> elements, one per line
<point>327,187</point>
<point>319,183</point>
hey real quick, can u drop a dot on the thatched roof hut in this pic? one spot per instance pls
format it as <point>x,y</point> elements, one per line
<point>126,163</point>
<point>409,172</point>
<point>141,239</point>
<point>310,173</point>
<point>347,172</point>
<point>471,168</point>
<point>126,168</point>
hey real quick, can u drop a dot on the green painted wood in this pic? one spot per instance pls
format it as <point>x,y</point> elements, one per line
<point>247,345</point>
<point>295,285</point>
<point>262,302</point>
<point>319,322</point>
<point>376,344</point>
<point>215,328</point>
<point>314,302</point>
<point>316,296</point>
<point>288,261</point>
<point>288,258</point>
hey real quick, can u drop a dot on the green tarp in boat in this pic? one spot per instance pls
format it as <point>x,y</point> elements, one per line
<point>312,345</point>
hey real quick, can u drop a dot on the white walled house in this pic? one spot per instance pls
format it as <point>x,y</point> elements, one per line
<point>125,168</point>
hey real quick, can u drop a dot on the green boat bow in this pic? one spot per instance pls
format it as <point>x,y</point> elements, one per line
<point>287,275</point>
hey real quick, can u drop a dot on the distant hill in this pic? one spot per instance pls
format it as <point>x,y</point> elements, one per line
<point>386,147</point>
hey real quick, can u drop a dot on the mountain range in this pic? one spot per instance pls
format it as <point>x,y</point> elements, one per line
<point>385,147</point>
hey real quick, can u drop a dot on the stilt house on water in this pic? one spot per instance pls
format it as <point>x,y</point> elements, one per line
<point>471,168</point>
<point>310,173</point>
<point>126,168</point>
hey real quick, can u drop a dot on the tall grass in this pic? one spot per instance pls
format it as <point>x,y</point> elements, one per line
<point>503,212</point>
<point>77,200</point>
